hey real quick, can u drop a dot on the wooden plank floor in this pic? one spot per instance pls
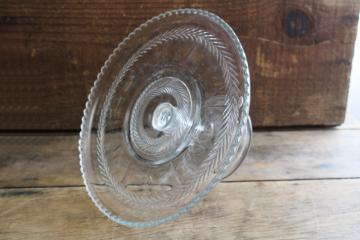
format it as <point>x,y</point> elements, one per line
<point>295,184</point>
<point>249,210</point>
<point>52,160</point>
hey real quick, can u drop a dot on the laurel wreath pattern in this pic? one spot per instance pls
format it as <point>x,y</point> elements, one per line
<point>86,120</point>
<point>230,115</point>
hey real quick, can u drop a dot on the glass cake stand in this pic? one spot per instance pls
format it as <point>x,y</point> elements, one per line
<point>167,118</point>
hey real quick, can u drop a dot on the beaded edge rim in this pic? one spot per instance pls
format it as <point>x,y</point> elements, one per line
<point>232,150</point>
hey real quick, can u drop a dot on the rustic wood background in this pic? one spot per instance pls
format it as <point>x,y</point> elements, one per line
<point>300,55</point>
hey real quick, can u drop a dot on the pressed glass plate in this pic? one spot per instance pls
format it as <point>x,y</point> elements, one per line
<point>167,118</point>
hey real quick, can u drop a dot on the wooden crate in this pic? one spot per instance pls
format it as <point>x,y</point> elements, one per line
<point>299,52</point>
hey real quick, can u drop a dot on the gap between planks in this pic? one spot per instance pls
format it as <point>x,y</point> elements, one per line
<point>222,182</point>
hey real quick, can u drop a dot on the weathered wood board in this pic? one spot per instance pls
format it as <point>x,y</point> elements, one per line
<point>299,52</point>
<point>326,210</point>
<point>52,160</point>
<point>293,185</point>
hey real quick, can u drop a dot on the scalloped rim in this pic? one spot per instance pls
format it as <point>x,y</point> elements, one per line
<point>244,115</point>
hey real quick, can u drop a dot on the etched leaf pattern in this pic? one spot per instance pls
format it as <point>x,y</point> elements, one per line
<point>91,104</point>
<point>230,115</point>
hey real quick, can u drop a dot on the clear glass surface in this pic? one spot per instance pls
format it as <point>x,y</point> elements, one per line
<point>166,119</point>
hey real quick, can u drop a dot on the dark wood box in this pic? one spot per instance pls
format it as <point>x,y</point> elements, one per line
<point>300,56</point>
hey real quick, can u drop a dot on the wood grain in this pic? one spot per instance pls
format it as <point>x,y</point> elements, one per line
<point>301,155</point>
<point>52,160</point>
<point>39,160</point>
<point>300,55</point>
<point>325,210</point>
